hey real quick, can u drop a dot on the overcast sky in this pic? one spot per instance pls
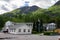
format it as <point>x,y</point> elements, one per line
<point>9,5</point>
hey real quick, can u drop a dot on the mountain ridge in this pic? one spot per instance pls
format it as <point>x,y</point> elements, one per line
<point>10,5</point>
<point>28,9</point>
<point>22,10</point>
<point>57,3</point>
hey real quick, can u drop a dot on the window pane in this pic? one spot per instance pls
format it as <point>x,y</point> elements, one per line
<point>24,30</point>
<point>28,30</point>
<point>14,30</point>
<point>19,30</point>
<point>11,30</point>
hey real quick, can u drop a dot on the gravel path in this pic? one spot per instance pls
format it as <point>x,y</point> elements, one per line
<point>26,37</point>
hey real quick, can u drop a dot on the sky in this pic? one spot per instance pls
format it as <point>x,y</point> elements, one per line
<point>9,5</point>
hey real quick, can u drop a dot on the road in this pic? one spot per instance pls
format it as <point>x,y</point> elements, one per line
<point>27,37</point>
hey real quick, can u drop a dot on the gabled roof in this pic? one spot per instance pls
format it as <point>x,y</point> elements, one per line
<point>51,24</point>
<point>8,23</point>
<point>17,26</point>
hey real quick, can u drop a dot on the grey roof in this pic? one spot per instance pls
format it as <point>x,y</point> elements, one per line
<point>51,24</point>
<point>17,25</point>
<point>45,25</point>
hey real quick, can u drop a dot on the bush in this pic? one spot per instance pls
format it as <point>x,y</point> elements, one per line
<point>34,32</point>
<point>49,33</point>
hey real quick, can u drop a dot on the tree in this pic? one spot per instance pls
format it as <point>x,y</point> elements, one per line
<point>55,11</point>
<point>57,20</point>
<point>1,22</point>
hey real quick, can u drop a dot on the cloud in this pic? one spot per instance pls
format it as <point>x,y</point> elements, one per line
<point>10,5</point>
<point>42,3</point>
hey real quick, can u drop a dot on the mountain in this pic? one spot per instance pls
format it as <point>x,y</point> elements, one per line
<point>22,10</point>
<point>28,9</point>
<point>10,5</point>
<point>57,3</point>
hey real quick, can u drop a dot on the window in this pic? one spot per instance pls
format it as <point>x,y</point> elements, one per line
<point>24,30</point>
<point>28,30</point>
<point>29,24</point>
<point>12,30</point>
<point>19,30</point>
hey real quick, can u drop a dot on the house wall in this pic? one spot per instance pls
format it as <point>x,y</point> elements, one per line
<point>23,27</point>
<point>26,30</point>
<point>13,28</point>
<point>12,31</point>
<point>22,31</point>
<point>50,27</point>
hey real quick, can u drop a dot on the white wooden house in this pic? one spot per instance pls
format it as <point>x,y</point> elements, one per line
<point>18,28</point>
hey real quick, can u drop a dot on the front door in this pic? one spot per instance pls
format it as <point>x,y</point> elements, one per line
<point>7,30</point>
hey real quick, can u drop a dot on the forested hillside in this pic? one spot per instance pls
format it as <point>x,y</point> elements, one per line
<point>32,14</point>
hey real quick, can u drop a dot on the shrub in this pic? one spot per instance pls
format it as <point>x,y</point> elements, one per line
<point>49,33</point>
<point>34,32</point>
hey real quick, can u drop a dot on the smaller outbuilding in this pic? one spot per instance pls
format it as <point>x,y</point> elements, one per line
<point>50,26</point>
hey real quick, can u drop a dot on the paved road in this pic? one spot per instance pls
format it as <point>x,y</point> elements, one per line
<point>27,37</point>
